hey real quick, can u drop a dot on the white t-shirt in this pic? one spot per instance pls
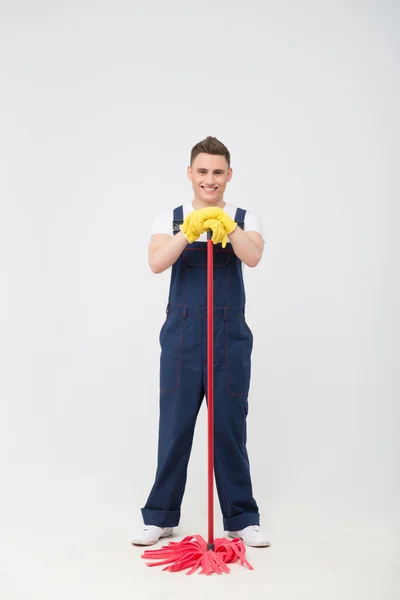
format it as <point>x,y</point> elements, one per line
<point>163,222</point>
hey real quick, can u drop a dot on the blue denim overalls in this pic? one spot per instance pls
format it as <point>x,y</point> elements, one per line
<point>183,383</point>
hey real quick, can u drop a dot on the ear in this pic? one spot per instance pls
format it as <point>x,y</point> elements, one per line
<point>230,174</point>
<point>189,173</point>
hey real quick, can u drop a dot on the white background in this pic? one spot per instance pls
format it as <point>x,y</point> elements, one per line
<point>101,103</point>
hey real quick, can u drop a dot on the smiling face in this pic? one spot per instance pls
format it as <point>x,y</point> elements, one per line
<point>209,174</point>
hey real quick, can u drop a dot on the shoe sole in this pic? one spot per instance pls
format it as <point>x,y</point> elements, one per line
<point>266,545</point>
<point>139,543</point>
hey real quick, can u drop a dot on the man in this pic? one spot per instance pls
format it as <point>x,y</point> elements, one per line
<point>179,240</point>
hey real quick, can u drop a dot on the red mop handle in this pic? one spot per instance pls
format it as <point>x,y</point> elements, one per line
<point>210,387</point>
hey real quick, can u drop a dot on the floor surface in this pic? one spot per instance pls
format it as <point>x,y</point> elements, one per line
<point>87,555</point>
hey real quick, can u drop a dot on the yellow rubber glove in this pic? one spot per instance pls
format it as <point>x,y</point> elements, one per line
<point>191,227</point>
<point>218,231</point>
<point>229,224</point>
<point>213,212</point>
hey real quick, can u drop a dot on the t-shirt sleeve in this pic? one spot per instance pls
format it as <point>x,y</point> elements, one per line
<point>163,224</point>
<point>252,222</point>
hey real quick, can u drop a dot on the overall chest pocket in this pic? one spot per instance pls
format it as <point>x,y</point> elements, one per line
<point>197,257</point>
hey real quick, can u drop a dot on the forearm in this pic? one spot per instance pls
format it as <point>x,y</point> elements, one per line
<point>245,248</point>
<point>168,253</point>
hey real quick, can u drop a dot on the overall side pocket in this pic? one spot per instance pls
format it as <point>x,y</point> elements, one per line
<point>238,349</point>
<point>171,340</point>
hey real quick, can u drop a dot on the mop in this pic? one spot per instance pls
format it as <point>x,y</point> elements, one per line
<point>193,552</point>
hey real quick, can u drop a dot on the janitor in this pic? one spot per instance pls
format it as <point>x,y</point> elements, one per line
<point>179,240</point>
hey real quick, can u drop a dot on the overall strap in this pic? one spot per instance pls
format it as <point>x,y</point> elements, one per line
<point>177,219</point>
<point>239,217</point>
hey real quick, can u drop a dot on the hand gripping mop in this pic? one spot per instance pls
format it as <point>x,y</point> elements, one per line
<point>193,552</point>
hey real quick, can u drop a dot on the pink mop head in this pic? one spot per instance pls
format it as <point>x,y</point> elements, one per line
<point>192,553</point>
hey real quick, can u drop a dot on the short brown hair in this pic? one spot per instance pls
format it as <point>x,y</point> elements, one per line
<point>210,146</point>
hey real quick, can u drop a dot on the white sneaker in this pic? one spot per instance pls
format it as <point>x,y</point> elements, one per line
<point>251,536</point>
<point>150,534</point>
